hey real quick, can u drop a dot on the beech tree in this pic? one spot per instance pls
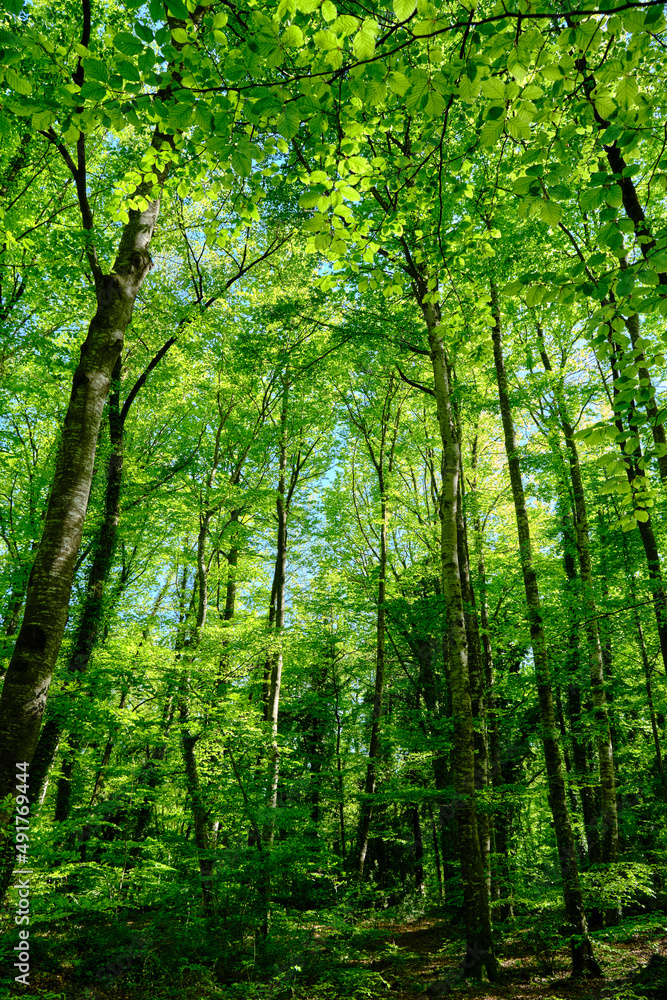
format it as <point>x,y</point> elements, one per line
<point>333,464</point>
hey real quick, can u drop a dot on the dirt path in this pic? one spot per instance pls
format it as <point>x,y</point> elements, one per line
<point>423,965</point>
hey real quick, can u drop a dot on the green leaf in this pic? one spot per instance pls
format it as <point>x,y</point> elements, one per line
<point>517,128</point>
<point>322,241</point>
<point>404,8</point>
<point>178,9</point>
<point>93,91</point>
<point>491,132</point>
<point>242,160</point>
<point>398,82</point>
<point>363,45</point>
<point>469,89</point>
<point>494,88</point>
<point>307,6</point>
<point>325,39</point>
<point>127,70</point>
<point>289,121</point>
<point>95,69</point>
<point>550,212</point>
<point>345,25</point>
<point>611,236</point>
<point>18,83</point>
<point>517,65</point>
<point>626,92</point>
<point>329,12</point>
<point>604,105</point>
<point>614,196</point>
<point>180,115</point>
<point>146,60</point>
<point>376,91</point>
<point>315,224</point>
<point>592,198</point>
<point>41,120</point>
<point>435,104</point>
<point>293,37</point>
<point>128,44</point>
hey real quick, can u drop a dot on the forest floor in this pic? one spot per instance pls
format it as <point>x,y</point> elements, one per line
<point>409,960</point>
<point>529,972</point>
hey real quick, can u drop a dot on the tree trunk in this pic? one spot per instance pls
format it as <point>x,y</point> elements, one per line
<point>609,844</point>
<point>366,811</point>
<point>29,675</point>
<point>95,607</point>
<point>477,693</point>
<point>278,596</point>
<point>201,820</point>
<point>583,961</point>
<point>640,487</point>
<point>479,947</point>
<point>26,685</point>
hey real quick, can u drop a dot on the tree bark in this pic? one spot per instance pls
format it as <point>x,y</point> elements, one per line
<point>479,947</point>
<point>200,816</point>
<point>477,692</point>
<point>366,811</point>
<point>278,602</point>
<point>95,606</point>
<point>609,841</point>
<point>583,961</point>
<point>29,674</point>
<point>640,487</point>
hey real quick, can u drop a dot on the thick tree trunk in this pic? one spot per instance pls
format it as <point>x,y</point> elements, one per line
<point>29,675</point>
<point>95,607</point>
<point>28,678</point>
<point>479,947</point>
<point>583,961</point>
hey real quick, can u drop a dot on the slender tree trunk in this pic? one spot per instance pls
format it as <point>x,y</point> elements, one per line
<point>609,844</point>
<point>647,673</point>
<point>583,961</point>
<point>366,812</point>
<point>276,656</point>
<point>339,763</point>
<point>436,854</point>
<point>501,819</point>
<point>639,484</point>
<point>477,693</point>
<point>418,849</point>
<point>581,769</point>
<point>200,815</point>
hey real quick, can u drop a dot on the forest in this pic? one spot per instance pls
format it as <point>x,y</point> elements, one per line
<point>333,472</point>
